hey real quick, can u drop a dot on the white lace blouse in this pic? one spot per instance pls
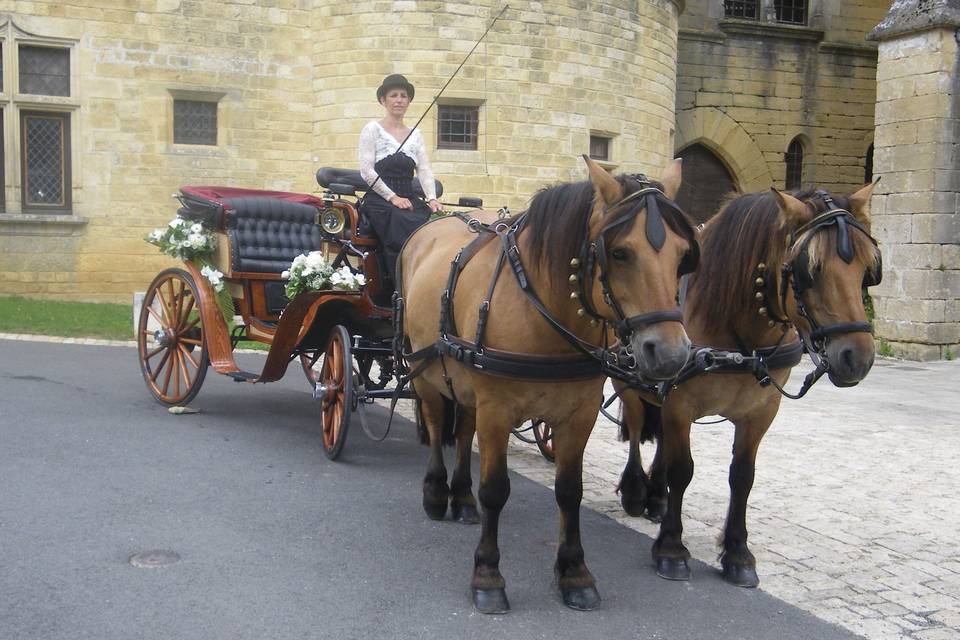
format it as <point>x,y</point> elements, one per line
<point>376,143</point>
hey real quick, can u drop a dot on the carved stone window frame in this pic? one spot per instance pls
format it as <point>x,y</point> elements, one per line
<point>14,104</point>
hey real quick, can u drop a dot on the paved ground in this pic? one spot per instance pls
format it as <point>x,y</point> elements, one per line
<point>854,513</point>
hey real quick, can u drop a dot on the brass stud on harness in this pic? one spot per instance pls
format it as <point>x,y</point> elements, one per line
<point>574,295</point>
<point>593,322</point>
<point>761,267</point>
<point>575,263</point>
<point>573,278</point>
<point>581,312</point>
<point>762,311</point>
<point>759,296</point>
<point>769,323</point>
<point>759,282</point>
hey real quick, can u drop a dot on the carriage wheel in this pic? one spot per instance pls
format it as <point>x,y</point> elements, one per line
<point>308,361</point>
<point>170,343</point>
<point>543,434</point>
<point>336,391</point>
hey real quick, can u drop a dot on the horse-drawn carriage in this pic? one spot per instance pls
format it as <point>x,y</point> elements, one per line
<point>341,338</point>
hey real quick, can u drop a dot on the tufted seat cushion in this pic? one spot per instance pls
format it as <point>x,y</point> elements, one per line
<point>266,234</point>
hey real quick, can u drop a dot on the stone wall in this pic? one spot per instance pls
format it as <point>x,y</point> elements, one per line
<point>294,81</point>
<point>916,208</point>
<point>746,88</point>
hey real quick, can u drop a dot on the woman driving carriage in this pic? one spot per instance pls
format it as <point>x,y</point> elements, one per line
<point>389,153</point>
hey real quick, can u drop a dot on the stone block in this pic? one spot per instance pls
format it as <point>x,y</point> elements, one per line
<point>935,228</point>
<point>916,351</point>
<point>915,310</point>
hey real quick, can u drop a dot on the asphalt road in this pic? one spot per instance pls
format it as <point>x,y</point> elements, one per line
<point>274,540</point>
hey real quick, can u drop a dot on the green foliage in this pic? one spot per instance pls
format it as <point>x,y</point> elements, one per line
<point>868,306</point>
<point>106,321</point>
<point>884,349</point>
<point>948,354</point>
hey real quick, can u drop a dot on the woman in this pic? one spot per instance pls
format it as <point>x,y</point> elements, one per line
<point>390,205</point>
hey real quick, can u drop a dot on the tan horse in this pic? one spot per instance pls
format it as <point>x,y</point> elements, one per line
<point>640,280</point>
<point>742,301</point>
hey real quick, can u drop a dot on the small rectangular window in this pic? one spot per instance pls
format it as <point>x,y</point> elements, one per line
<point>457,126</point>
<point>44,71</point>
<point>45,160</point>
<point>791,11</point>
<point>741,9</point>
<point>194,122</point>
<point>599,147</point>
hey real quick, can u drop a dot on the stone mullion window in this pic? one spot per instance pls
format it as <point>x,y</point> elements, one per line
<point>44,160</point>
<point>791,11</point>
<point>793,159</point>
<point>458,127</point>
<point>748,9</point>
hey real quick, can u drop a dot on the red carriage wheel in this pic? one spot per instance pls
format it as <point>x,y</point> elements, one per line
<point>543,434</point>
<point>336,391</point>
<point>170,343</point>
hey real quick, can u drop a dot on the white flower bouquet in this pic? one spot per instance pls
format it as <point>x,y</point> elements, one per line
<point>184,240</point>
<point>311,272</point>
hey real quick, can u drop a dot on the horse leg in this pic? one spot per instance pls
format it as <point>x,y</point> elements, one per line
<point>657,495</point>
<point>634,484</point>
<point>488,586</point>
<point>578,588</point>
<point>463,506</point>
<point>738,563</point>
<point>669,552</point>
<point>433,410</point>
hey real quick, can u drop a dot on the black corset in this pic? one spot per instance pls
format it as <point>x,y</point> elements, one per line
<point>396,171</point>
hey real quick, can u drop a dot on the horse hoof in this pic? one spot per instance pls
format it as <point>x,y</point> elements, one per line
<point>465,513</point>
<point>673,568</point>
<point>581,598</point>
<point>741,576</point>
<point>656,509</point>
<point>633,508</point>
<point>435,510</point>
<point>491,600</point>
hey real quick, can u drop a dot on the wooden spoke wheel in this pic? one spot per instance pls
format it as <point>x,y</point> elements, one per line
<point>308,361</point>
<point>543,435</point>
<point>336,393</point>
<point>170,343</point>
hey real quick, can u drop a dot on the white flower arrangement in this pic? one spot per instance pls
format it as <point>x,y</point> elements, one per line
<point>214,276</point>
<point>311,272</point>
<point>184,240</point>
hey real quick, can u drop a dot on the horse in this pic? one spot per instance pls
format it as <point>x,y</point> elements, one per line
<point>740,302</point>
<point>583,257</point>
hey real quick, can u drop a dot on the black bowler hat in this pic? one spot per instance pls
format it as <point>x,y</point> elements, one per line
<point>394,80</point>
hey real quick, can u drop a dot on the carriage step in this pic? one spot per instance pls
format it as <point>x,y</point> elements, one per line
<point>243,376</point>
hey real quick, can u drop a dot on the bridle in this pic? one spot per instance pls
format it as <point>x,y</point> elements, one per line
<point>593,256</point>
<point>795,276</point>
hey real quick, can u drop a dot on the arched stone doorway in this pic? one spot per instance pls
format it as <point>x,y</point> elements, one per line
<point>706,181</point>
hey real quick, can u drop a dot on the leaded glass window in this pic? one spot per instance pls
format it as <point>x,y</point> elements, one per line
<point>791,11</point>
<point>741,9</point>
<point>458,126</point>
<point>44,160</point>
<point>44,71</point>
<point>793,158</point>
<point>194,122</point>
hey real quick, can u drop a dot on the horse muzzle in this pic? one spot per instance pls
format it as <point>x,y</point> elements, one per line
<point>850,359</point>
<point>660,353</point>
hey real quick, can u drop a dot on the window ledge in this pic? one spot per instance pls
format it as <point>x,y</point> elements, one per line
<point>770,30</point>
<point>36,224</point>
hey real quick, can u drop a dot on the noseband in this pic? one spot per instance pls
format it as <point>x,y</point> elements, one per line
<point>593,256</point>
<point>796,276</point>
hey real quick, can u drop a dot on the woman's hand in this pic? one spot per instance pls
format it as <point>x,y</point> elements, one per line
<point>401,203</point>
<point>434,206</point>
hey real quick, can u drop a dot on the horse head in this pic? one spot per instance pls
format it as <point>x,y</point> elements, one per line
<point>638,243</point>
<point>830,259</point>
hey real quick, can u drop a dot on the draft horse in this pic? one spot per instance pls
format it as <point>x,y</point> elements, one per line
<point>537,292</point>
<point>777,271</point>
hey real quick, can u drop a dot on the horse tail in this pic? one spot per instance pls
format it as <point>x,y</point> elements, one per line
<point>652,422</point>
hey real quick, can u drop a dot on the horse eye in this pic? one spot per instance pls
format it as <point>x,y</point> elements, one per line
<point>621,255</point>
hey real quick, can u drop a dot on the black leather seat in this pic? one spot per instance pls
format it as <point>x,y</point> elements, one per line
<point>266,234</point>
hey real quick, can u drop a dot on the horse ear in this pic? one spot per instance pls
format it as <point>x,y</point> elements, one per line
<point>793,212</point>
<point>860,202</point>
<point>671,178</point>
<point>605,184</point>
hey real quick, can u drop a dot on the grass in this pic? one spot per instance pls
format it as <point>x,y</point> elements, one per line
<point>101,320</point>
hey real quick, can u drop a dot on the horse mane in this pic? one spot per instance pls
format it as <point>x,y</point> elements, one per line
<point>556,223</point>
<point>746,232</point>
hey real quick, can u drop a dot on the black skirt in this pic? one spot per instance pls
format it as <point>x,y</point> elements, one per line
<point>393,226</point>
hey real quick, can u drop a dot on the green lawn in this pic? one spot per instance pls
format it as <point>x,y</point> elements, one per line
<point>68,319</point>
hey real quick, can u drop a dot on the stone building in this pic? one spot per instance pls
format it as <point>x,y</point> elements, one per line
<point>107,106</point>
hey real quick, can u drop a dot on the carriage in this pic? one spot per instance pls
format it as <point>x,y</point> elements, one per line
<point>341,339</point>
